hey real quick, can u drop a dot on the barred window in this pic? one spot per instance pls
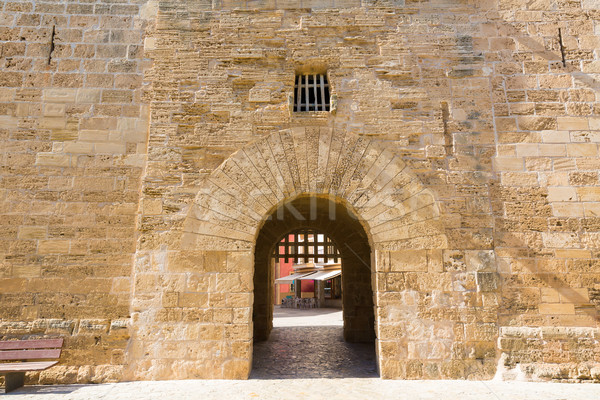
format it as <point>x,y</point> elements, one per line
<point>311,93</point>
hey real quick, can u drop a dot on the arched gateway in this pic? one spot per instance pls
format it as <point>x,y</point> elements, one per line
<point>346,232</point>
<point>360,192</point>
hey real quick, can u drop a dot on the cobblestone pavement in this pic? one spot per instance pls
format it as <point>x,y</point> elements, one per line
<point>337,371</point>
<point>309,344</point>
<point>312,352</point>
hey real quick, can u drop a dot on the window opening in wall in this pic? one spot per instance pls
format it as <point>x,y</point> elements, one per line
<point>311,93</point>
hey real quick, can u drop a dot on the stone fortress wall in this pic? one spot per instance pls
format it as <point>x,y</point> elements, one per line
<point>145,143</point>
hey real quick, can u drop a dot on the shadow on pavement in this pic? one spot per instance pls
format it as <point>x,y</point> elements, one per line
<point>310,353</point>
<point>41,389</point>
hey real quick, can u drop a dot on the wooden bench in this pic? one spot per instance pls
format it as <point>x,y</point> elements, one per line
<point>23,351</point>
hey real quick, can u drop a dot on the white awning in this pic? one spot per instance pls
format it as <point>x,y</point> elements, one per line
<point>322,275</point>
<point>293,277</point>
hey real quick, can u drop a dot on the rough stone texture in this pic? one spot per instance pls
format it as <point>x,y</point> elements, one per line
<point>73,130</point>
<point>145,148</point>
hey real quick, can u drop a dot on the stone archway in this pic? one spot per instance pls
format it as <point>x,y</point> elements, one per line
<point>398,213</point>
<point>207,285</point>
<point>240,194</point>
<point>342,226</point>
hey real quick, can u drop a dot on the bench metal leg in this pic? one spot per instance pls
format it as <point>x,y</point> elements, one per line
<point>13,380</point>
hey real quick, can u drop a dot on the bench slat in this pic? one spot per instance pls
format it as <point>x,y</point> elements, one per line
<point>31,344</point>
<point>29,354</point>
<point>26,366</point>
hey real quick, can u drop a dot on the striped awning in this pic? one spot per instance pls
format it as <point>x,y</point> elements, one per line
<point>322,275</point>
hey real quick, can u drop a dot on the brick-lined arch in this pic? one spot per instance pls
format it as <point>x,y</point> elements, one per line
<point>395,207</point>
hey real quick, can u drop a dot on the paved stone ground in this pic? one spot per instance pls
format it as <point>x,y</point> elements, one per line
<point>330,389</point>
<point>286,317</point>
<point>312,352</point>
<point>309,344</point>
<point>338,371</point>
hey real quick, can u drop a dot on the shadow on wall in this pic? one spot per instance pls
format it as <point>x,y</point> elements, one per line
<point>550,310</point>
<point>560,63</point>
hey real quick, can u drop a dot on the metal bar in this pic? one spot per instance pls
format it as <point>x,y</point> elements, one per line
<point>297,246</point>
<point>306,245</point>
<point>296,96</point>
<point>301,244</point>
<point>304,236</point>
<point>300,92</point>
<point>326,93</point>
<point>306,91</point>
<point>287,246</point>
<point>322,93</point>
<point>562,48</point>
<point>299,102</point>
<point>315,91</point>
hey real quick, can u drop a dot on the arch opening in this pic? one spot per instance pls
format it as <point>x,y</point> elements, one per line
<point>343,227</point>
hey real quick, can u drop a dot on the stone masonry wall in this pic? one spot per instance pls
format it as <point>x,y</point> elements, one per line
<point>407,79</point>
<point>73,134</point>
<point>144,143</point>
<point>545,93</point>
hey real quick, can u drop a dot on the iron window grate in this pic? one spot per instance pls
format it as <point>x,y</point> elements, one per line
<point>311,93</point>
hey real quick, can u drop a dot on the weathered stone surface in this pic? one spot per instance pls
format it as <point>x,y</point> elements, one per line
<point>144,146</point>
